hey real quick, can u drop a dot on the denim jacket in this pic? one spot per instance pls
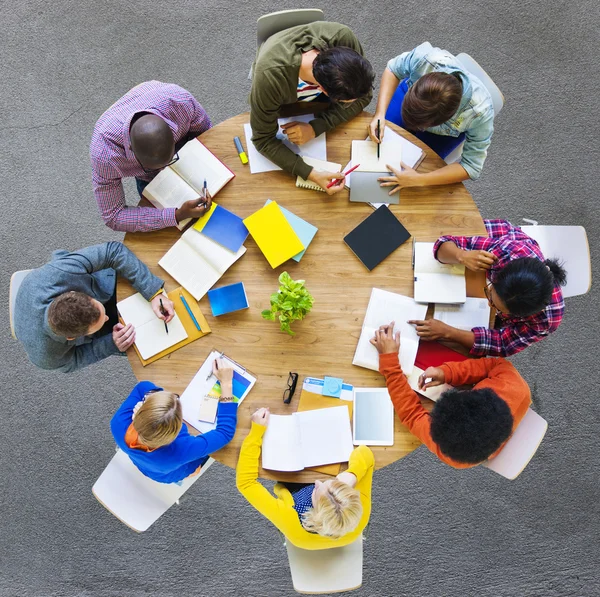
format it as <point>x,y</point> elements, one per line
<point>475,115</point>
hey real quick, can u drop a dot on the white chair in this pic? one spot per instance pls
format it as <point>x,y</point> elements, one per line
<point>473,67</point>
<point>274,22</point>
<point>326,570</point>
<point>15,283</point>
<point>520,448</point>
<point>133,498</point>
<point>568,244</point>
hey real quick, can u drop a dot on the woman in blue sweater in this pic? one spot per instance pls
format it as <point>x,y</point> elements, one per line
<point>149,428</point>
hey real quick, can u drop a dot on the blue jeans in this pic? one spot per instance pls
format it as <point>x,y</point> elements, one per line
<point>441,144</point>
<point>141,185</point>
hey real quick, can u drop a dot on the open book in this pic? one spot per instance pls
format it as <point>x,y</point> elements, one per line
<point>383,308</point>
<point>437,282</point>
<point>474,313</point>
<point>197,262</point>
<point>184,180</point>
<point>309,438</point>
<point>150,334</point>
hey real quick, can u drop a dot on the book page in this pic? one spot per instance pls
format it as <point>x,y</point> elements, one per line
<point>325,435</point>
<point>365,154</point>
<point>281,449</point>
<point>426,263</point>
<point>168,189</point>
<point>152,338</point>
<point>217,256</point>
<point>443,288</point>
<point>196,164</point>
<point>136,310</point>
<point>411,153</point>
<point>474,313</point>
<point>195,274</point>
<point>383,308</point>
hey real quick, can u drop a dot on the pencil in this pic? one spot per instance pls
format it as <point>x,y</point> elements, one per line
<point>345,174</point>
<point>187,307</point>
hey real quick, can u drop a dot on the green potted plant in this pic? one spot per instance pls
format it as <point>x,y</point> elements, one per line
<point>292,302</point>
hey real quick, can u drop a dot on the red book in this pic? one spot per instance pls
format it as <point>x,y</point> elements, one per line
<point>433,354</point>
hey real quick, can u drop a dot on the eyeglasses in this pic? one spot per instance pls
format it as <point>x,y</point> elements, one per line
<point>153,170</point>
<point>291,388</point>
<point>488,296</point>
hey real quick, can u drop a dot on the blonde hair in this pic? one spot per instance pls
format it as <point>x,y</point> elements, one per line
<point>336,513</point>
<point>159,419</point>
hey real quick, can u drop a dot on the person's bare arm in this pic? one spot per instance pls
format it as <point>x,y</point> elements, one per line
<point>408,177</point>
<point>389,84</point>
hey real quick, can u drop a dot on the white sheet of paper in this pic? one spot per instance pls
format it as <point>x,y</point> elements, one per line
<point>383,308</point>
<point>398,145</point>
<point>325,435</point>
<point>365,154</point>
<point>315,148</point>
<point>281,448</point>
<point>150,335</point>
<point>435,281</point>
<point>474,313</point>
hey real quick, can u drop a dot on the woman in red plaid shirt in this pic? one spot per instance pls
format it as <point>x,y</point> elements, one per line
<point>522,287</point>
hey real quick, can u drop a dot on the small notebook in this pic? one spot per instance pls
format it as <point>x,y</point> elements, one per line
<point>197,262</point>
<point>365,154</point>
<point>273,234</point>
<point>432,393</point>
<point>305,439</point>
<point>225,228</point>
<point>366,188</point>
<point>318,165</point>
<point>227,299</point>
<point>305,231</point>
<point>474,313</point>
<point>349,185</point>
<point>385,307</point>
<point>150,334</point>
<point>376,237</point>
<point>204,384</point>
<point>184,180</point>
<point>437,282</point>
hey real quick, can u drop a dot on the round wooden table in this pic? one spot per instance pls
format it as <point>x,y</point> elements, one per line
<point>326,340</point>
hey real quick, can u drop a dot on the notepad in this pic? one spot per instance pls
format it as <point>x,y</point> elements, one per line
<point>184,180</point>
<point>365,154</point>
<point>305,231</point>
<point>225,228</point>
<point>376,237</point>
<point>433,393</point>
<point>227,299</point>
<point>385,307</point>
<point>366,188</point>
<point>197,262</point>
<point>194,395</point>
<point>150,334</point>
<point>437,282</point>
<point>315,148</point>
<point>474,313</point>
<point>309,438</point>
<point>273,234</point>
<point>317,165</point>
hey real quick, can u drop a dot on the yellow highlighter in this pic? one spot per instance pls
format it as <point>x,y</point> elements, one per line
<point>240,150</point>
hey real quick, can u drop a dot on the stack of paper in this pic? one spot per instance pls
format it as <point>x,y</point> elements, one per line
<point>305,231</point>
<point>273,234</point>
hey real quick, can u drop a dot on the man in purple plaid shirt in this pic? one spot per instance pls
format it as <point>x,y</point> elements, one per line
<point>138,136</point>
<point>522,287</point>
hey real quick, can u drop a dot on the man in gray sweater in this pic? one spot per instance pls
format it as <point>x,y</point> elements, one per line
<point>65,311</point>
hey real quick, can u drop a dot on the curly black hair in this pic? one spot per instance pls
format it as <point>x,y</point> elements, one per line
<point>525,285</point>
<point>343,73</point>
<point>470,425</point>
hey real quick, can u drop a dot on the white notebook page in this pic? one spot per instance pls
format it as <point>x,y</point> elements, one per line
<point>365,154</point>
<point>474,313</point>
<point>281,449</point>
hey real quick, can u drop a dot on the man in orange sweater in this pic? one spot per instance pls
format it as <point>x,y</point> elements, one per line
<point>465,427</point>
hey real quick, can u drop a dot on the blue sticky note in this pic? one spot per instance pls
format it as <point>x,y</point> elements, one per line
<point>332,386</point>
<point>226,228</point>
<point>226,299</point>
<point>304,231</point>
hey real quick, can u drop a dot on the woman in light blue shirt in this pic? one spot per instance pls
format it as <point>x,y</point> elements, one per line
<point>428,92</point>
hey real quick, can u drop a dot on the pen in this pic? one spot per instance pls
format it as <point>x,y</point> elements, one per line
<point>345,174</point>
<point>378,137</point>
<point>185,304</point>
<point>162,310</point>
<point>413,256</point>
<point>240,149</point>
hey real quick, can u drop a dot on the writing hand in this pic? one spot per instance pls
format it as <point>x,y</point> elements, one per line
<point>167,312</point>
<point>324,178</point>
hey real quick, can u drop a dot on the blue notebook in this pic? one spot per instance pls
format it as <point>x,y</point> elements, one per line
<point>226,228</point>
<point>305,231</point>
<point>227,299</point>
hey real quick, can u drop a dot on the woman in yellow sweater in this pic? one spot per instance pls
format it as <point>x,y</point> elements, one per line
<point>330,513</point>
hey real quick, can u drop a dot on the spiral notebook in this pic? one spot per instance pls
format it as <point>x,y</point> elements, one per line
<point>319,165</point>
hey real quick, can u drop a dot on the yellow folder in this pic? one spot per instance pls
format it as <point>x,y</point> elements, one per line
<point>273,234</point>
<point>193,332</point>
<point>203,220</point>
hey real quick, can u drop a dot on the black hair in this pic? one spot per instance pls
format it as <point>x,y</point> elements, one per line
<point>470,425</point>
<point>343,73</point>
<point>525,285</point>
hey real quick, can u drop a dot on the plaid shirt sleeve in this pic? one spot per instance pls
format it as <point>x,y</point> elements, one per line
<point>199,120</point>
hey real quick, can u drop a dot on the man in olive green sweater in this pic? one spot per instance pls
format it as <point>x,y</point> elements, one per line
<point>301,64</point>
